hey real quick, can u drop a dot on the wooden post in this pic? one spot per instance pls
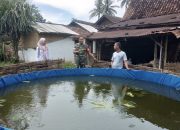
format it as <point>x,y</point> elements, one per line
<point>155,52</point>
<point>163,52</point>
<point>98,52</point>
<point>85,41</point>
<point>100,47</point>
<point>155,55</point>
<point>165,49</point>
<point>160,56</point>
<point>94,47</point>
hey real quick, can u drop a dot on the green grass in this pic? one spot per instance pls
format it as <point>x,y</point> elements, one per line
<point>69,65</point>
<point>65,65</point>
<point>2,64</point>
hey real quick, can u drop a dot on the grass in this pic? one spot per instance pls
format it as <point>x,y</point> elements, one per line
<point>2,63</point>
<point>69,65</point>
<point>64,65</point>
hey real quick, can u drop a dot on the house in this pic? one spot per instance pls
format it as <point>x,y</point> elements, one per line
<point>59,42</point>
<point>151,8</point>
<point>83,28</point>
<point>107,20</point>
<point>149,31</point>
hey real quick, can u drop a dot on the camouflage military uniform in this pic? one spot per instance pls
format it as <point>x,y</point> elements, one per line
<point>81,56</point>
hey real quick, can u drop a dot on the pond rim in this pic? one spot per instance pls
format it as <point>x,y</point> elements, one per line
<point>168,80</point>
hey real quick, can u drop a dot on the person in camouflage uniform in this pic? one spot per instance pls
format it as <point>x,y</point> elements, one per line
<point>81,51</point>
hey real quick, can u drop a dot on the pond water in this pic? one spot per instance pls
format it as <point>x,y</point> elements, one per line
<point>89,103</point>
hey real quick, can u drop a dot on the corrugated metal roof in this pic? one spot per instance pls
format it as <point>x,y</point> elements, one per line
<point>83,22</point>
<point>134,33</point>
<point>53,28</point>
<point>148,22</point>
<point>79,30</point>
<point>87,27</point>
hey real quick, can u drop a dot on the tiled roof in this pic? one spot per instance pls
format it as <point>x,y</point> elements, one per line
<point>151,8</point>
<point>112,19</point>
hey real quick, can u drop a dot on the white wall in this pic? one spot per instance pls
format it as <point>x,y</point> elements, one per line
<point>27,55</point>
<point>57,50</point>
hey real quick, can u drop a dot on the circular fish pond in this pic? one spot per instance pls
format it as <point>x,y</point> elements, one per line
<point>89,103</point>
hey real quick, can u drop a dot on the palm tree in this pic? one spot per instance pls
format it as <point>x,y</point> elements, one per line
<point>124,3</point>
<point>16,18</point>
<point>109,8</point>
<point>98,10</point>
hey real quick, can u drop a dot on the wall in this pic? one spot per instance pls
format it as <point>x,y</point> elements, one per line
<point>29,40</point>
<point>27,55</point>
<point>53,37</point>
<point>57,49</point>
<point>62,49</point>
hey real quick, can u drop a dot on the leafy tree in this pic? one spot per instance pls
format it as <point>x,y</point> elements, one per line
<point>103,7</point>
<point>125,3</point>
<point>109,8</point>
<point>36,13</point>
<point>16,19</point>
<point>98,10</point>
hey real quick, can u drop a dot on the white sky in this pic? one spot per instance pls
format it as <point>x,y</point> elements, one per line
<point>70,9</point>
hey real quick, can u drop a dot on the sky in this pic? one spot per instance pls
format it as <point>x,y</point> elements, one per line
<point>63,11</point>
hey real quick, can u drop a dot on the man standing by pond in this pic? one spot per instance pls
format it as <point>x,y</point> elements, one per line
<point>81,51</point>
<point>119,57</point>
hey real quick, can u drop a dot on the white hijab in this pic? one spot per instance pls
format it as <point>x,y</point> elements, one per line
<point>42,50</point>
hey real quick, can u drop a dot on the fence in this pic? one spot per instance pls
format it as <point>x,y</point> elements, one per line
<point>31,66</point>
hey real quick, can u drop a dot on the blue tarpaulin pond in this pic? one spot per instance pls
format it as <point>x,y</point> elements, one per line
<point>93,81</point>
<point>159,78</point>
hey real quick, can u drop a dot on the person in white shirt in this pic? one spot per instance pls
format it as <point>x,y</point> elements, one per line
<point>119,57</point>
<point>42,50</point>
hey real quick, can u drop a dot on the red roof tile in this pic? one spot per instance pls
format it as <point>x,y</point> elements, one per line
<point>151,8</point>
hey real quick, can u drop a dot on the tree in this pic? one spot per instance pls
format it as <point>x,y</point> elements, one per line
<point>36,13</point>
<point>103,7</point>
<point>98,10</point>
<point>124,3</point>
<point>109,8</point>
<point>16,19</point>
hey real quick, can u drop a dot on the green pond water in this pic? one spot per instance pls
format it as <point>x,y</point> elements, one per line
<point>89,103</point>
